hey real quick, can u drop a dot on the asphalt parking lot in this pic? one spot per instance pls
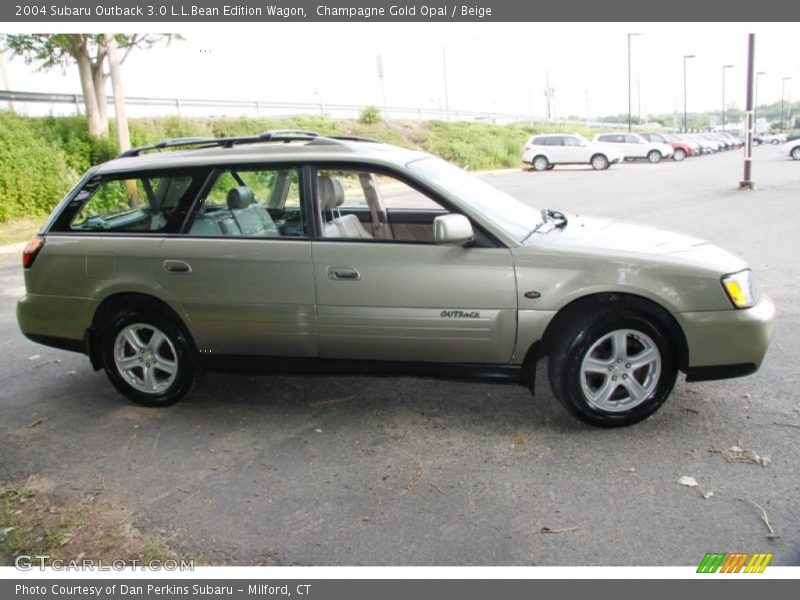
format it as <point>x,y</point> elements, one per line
<point>409,471</point>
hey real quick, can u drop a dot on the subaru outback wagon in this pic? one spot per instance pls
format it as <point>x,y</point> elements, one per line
<point>291,251</point>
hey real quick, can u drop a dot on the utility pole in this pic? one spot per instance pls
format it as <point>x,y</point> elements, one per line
<point>630,35</point>
<point>383,86</point>
<point>724,68</point>
<point>747,182</point>
<point>685,113</point>
<point>444,76</point>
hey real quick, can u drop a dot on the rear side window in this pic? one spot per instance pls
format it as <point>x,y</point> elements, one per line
<point>539,141</point>
<point>253,203</point>
<point>145,204</point>
<point>555,140</point>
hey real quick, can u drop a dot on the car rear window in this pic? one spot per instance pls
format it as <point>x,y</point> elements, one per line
<point>154,203</point>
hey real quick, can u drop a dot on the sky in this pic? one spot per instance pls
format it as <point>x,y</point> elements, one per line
<point>493,67</point>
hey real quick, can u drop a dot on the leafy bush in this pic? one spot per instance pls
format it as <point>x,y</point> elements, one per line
<point>370,115</point>
<point>34,169</point>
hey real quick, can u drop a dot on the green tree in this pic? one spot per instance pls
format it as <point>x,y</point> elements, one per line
<point>88,52</point>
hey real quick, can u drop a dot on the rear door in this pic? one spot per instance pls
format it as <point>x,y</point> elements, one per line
<point>405,298</point>
<point>241,268</point>
<point>556,152</point>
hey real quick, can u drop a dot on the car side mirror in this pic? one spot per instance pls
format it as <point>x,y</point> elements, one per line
<point>452,230</point>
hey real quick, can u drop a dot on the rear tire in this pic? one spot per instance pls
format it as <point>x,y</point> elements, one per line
<point>148,357</point>
<point>774,142</point>
<point>593,366</point>
<point>678,155</point>
<point>796,153</point>
<point>654,156</point>
<point>599,162</point>
<point>540,163</point>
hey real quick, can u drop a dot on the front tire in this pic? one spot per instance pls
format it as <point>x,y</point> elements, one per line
<point>654,156</point>
<point>774,142</point>
<point>612,367</point>
<point>599,162</point>
<point>795,153</point>
<point>678,155</point>
<point>540,163</point>
<point>147,357</point>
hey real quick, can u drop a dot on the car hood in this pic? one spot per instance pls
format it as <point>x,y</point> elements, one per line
<point>615,239</point>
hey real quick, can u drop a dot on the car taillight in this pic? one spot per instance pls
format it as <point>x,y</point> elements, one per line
<point>32,251</point>
<point>527,148</point>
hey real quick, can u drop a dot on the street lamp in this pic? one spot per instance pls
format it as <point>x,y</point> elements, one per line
<point>755,100</point>
<point>783,90</point>
<point>630,35</point>
<point>685,119</point>
<point>724,68</point>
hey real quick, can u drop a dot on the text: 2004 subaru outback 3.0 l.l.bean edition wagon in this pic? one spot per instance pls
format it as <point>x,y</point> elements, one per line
<point>293,251</point>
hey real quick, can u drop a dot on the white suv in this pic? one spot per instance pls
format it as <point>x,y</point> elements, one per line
<point>634,146</point>
<point>545,151</point>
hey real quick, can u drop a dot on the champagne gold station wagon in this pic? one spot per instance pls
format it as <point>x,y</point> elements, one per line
<point>290,251</point>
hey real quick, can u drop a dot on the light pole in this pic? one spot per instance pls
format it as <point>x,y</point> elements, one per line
<point>321,103</point>
<point>685,114</point>
<point>755,99</point>
<point>783,91</point>
<point>724,68</point>
<point>630,35</point>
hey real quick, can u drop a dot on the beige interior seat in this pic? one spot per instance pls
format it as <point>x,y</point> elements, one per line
<point>330,193</point>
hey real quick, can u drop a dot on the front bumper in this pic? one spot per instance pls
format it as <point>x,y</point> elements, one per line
<point>727,343</point>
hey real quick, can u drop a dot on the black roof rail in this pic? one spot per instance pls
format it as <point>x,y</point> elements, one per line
<point>273,135</point>
<point>168,143</point>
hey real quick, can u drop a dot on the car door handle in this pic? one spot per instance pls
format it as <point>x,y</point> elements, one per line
<point>344,273</point>
<point>177,266</point>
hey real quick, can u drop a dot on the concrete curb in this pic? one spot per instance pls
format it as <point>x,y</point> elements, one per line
<point>12,248</point>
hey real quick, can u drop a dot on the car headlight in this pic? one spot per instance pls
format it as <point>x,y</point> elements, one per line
<point>740,288</point>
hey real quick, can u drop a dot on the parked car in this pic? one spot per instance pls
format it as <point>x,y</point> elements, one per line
<point>545,151</point>
<point>634,146</point>
<point>680,149</point>
<point>774,138</point>
<point>792,149</point>
<point>711,144</point>
<point>703,147</point>
<point>293,251</point>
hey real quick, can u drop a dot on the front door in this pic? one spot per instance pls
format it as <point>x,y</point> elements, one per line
<point>402,297</point>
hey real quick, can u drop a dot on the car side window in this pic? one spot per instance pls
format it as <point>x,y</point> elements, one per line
<point>539,141</point>
<point>252,202</point>
<point>571,141</point>
<point>605,138</point>
<point>146,204</point>
<point>373,206</point>
<point>632,139</point>
<point>556,140</point>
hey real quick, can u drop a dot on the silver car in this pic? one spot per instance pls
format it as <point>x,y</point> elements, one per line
<point>291,251</point>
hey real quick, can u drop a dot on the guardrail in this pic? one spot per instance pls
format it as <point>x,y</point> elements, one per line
<point>272,107</point>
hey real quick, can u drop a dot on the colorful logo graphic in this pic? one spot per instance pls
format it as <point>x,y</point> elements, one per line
<point>734,562</point>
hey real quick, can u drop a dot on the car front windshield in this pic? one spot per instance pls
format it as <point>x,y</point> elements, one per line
<point>503,210</point>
